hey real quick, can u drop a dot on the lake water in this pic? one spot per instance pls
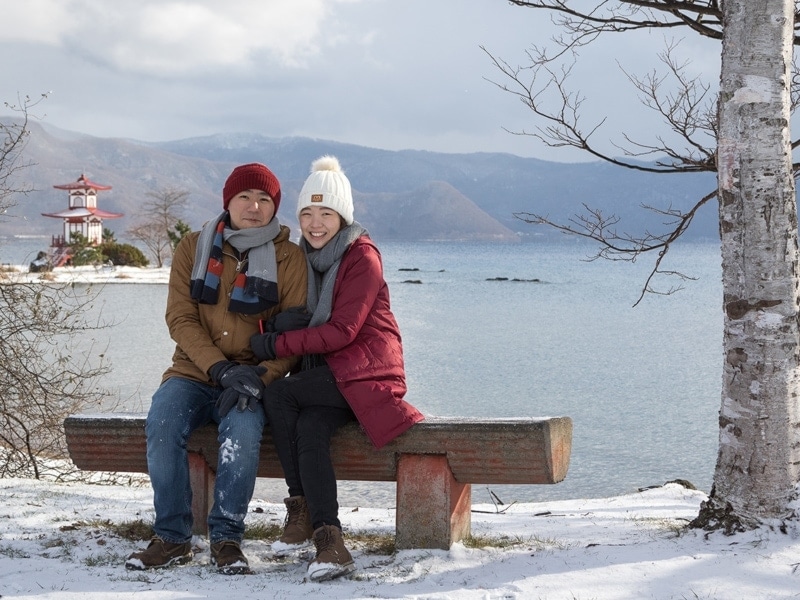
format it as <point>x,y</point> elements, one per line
<point>642,384</point>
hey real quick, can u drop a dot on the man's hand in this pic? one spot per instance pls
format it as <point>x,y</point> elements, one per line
<point>242,385</point>
<point>230,397</point>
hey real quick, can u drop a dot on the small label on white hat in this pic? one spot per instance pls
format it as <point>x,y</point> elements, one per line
<point>316,197</point>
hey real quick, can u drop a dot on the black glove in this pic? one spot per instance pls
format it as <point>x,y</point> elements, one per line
<point>217,369</point>
<point>230,397</point>
<point>292,318</point>
<point>263,345</point>
<point>245,379</point>
<point>241,383</point>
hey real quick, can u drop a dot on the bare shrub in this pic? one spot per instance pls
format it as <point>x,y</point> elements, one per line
<point>49,368</point>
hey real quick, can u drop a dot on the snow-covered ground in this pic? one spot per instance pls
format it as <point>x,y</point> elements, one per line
<point>55,544</point>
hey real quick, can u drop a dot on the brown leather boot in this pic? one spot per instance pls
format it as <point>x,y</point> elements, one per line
<point>160,554</point>
<point>333,560</point>
<point>297,530</point>
<point>229,559</point>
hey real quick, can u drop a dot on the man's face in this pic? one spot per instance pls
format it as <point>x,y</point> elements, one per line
<point>251,208</point>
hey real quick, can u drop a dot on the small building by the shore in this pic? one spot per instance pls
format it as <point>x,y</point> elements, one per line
<point>82,216</point>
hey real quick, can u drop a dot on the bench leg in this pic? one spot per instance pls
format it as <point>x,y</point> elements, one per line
<point>201,478</point>
<point>433,509</point>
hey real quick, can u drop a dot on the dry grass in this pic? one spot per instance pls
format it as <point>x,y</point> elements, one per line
<point>368,542</point>
<point>139,530</point>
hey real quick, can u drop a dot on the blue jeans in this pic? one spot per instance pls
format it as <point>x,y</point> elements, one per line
<point>179,407</point>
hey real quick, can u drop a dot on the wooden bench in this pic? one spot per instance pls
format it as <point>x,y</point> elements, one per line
<point>434,464</point>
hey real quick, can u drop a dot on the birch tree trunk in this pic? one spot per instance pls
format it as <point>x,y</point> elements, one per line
<point>757,465</point>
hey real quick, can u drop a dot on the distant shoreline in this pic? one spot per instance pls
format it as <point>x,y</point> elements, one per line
<point>87,275</point>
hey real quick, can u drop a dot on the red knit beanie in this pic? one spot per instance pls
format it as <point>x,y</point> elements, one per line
<point>254,176</point>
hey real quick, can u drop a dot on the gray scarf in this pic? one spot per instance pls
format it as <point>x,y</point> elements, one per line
<point>323,265</point>
<point>258,291</point>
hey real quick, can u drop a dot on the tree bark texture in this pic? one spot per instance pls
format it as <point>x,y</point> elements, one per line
<point>756,471</point>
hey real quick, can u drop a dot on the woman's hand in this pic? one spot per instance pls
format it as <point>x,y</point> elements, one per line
<point>263,345</point>
<point>293,318</point>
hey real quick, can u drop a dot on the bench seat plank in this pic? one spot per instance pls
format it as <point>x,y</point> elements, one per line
<point>450,453</point>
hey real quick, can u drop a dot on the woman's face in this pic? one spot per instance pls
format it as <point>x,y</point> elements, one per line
<point>319,224</point>
<point>251,208</point>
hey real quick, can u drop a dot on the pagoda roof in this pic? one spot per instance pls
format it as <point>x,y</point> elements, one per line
<point>83,183</point>
<point>76,213</point>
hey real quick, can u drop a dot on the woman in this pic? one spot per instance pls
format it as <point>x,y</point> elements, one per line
<point>352,365</point>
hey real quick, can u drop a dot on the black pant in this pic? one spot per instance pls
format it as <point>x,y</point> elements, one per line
<point>304,411</point>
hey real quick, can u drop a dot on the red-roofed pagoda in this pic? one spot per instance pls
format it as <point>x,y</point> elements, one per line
<point>82,215</point>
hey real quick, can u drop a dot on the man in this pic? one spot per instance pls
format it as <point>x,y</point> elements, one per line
<point>239,269</point>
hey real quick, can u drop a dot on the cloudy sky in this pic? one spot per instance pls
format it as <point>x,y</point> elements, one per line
<point>381,73</point>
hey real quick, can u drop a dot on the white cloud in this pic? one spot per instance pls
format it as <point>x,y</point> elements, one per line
<point>173,38</point>
<point>39,21</point>
<point>381,73</point>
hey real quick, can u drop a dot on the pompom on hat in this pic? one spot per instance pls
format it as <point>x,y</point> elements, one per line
<point>253,176</point>
<point>327,186</point>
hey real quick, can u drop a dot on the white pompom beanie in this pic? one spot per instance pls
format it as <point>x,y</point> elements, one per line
<point>327,186</point>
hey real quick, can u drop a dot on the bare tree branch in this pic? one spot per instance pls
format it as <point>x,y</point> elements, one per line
<point>613,245</point>
<point>13,138</point>
<point>684,104</point>
<point>702,17</point>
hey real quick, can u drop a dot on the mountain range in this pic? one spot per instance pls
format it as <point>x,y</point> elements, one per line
<point>409,195</point>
